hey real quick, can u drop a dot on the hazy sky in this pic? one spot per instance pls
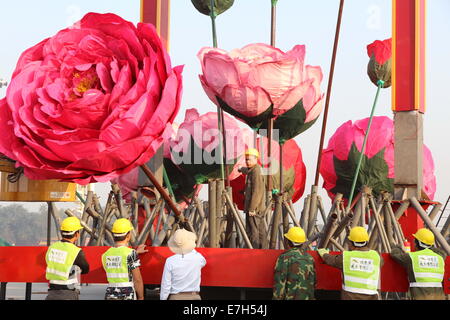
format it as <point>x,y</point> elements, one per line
<point>312,23</point>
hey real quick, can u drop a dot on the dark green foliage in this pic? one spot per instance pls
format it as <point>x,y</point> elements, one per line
<point>373,173</point>
<point>200,164</point>
<point>20,227</point>
<point>291,123</point>
<point>220,6</point>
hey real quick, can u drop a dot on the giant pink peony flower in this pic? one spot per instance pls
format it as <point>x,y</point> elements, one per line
<point>259,81</point>
<point>91,102</point>
<point>340,158</point>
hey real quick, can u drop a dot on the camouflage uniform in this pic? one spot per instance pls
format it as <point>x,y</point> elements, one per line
<point>295,276</point>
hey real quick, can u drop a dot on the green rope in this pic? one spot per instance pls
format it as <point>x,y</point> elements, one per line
<point>167,182</point>
<point>80,197</point>
<point>358,167</point>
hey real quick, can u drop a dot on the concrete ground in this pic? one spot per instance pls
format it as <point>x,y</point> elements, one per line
<point>16,291</point>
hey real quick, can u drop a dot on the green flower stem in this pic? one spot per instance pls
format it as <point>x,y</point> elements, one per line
<point>355,178</point>
<point>219,111</point>
<point>213,23</point>
<point>167,182</point>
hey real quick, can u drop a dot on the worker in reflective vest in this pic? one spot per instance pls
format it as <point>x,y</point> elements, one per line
<point>65,262</point>
<point>121,264</point>
<point>425,266</point>
<point>360,267</point>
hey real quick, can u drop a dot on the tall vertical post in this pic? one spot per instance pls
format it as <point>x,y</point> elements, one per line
<point>408,103</point>
<point>157,12</point>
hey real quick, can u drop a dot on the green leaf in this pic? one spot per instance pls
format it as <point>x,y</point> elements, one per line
<point>220,6</point>
<point>201,164</point>
<point>253,122</point>
<point>291,123</point>
<point>373,173</point>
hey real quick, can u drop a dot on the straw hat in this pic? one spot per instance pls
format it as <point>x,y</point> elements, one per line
<point>182,241</point>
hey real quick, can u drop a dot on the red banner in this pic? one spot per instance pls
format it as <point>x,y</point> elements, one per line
<point>250,268</point>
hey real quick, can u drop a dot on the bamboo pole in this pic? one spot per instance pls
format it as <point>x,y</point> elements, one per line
<point>440,239</point>
<point>312,211</point>
<point>143,235</point>
<point>212,218</point>
<point>342,224</point>
<point>229,241</point>
<point>380,226</point>
<point>291,214</point>
<point>276,221</point>
<point>328,230</point>
<point>396,225</point>
<point>238,221</point>
<point>435,211</point>
<point>321,208</point>
<point>304,218</point>
<point>405,204</point>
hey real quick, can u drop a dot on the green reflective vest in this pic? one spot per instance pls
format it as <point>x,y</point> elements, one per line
<point>115,263</point>
<point>428,268</point>
<point>60,257</point>
<point>361,271</point>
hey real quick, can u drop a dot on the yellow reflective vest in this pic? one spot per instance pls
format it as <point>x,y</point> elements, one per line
<point>361,271</point>
<point>60,257</point>
<point>114,261</point>
<point>428,268</point>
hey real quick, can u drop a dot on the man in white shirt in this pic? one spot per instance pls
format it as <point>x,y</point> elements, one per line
<point>182,272</point>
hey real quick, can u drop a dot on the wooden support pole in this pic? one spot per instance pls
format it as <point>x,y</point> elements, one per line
<point>212,218</point>
<point>238,221</point>
<point>304,218</point>
<point>422,213</point>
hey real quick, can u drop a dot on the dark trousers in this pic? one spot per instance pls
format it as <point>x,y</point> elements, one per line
<point>256,231</point>
<point>63,295</point>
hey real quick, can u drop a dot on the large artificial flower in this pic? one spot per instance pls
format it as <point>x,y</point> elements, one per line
<point>259,81</point>
<point>195,149</point>
<point>294,170</point>
<point>91,102</point>
<point>380,64</point>
<point>340,158</point>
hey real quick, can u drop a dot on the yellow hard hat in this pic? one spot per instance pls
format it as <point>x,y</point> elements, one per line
<point>358,234</point>
<point>296,235</point>
<point>252,152</point>
<point>424,235</point>
<point>71,224</point>
<point>122,226</point>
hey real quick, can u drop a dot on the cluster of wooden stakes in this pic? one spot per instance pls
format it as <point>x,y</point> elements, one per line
<point>218,223</point>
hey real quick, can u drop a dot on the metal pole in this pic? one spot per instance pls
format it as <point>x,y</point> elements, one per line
<point>330,84</point>
<point>49,222</point>
<point>28,291</point>
<point>3,290</point>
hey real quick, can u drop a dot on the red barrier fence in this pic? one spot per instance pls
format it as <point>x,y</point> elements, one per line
<point>243,268</point>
